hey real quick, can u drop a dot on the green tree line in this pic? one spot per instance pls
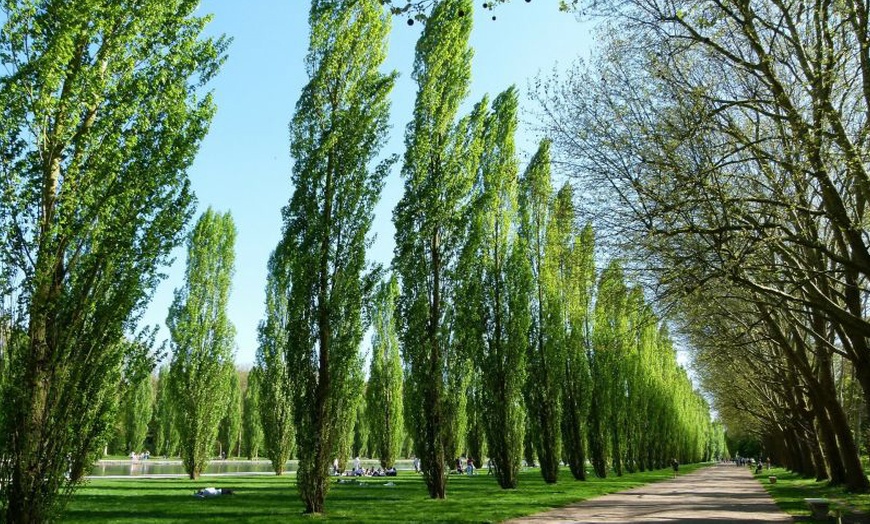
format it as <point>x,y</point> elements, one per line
<point>726,146</point>
<point>497,334</point>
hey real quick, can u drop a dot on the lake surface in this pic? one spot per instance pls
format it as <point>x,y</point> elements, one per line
<point>153,467</point>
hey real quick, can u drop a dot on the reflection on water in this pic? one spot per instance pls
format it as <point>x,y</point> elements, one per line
<point>174,467</point>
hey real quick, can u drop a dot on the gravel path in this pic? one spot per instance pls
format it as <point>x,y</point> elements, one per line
<point>722,493</point>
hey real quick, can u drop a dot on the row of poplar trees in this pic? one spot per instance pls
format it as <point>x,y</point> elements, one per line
<point>102,109</point>
<point>726,146</point>
<point>494,306</point>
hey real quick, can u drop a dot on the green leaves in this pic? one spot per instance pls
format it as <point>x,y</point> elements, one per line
<point>337,130</point>
<point>429,234</point>
<point>493,317</point>
<point>275,379</point>
<point>202,339</point>
<point>384,406</point>
<point>100,118</point>
<point>543,397</point>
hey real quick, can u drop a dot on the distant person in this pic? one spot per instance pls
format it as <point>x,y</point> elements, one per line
<point>416,465</point>
<point>356,464</point>
<point>676,466</point>
<point>469,466</point>
<point>212,492</point>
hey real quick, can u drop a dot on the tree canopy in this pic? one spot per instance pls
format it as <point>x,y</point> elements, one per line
<point>101,114</point>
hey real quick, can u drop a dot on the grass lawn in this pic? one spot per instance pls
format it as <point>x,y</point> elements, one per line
<point>791,489</point>
<point>269,499</point>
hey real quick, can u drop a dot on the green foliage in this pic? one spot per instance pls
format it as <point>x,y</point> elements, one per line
<point>136,409</point>
<point>338,128</point>
<point>577,284</point>
<point>229,431</point>
<point>352,417</point>
<point>362,436</point>
<point>430,231</point>
<point>202,339</point>
<point>252,427</point>
<point>384,395</point>
<point>165,431</point>
<point>610,337</point>
<point>496,289</point>
<point>135,400</point>
<point>101,114</point>
<point>543,392</point>
<point>723,148</point>
<point>274,376</point>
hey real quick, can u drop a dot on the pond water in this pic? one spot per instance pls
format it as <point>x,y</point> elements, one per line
<point>149,467</point>
<point>174,467</point>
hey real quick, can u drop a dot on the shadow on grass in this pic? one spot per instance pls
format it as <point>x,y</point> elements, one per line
<point>791,489</point>
<point>270,499</point>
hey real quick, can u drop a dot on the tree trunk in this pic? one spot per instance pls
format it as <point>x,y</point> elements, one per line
<point>844,446</point>
<point>436,479</point>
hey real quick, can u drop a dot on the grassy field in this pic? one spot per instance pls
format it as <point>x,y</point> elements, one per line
<point>271,499</point>
<point>790,491</point>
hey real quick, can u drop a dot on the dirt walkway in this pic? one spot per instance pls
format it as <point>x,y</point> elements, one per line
<point>723,493</point>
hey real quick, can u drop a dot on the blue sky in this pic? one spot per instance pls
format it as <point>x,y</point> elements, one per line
<point>244,163</point>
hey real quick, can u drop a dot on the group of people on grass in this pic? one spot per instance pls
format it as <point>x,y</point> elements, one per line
<point>464,465</point>
<point>145,455</point>
<point>358,471</point>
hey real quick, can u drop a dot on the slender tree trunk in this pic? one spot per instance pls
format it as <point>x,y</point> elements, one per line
<point>436,480</point>
<point>314,500</point>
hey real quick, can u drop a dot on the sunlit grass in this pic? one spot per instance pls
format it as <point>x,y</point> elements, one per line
<point>269,498</point>
<point>791,489</point>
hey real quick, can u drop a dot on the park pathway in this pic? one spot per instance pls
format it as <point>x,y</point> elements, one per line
<point>722,493</point>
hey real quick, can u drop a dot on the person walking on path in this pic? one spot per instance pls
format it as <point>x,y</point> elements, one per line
<point>676,466</point>
<point>714,494</point>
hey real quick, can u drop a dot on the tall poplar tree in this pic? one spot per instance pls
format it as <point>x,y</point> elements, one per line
<point>274,376</point>
<point>430,230</point>
<point>229,432</point>
<point>340,125</point>
<point>607,402</point>
<point>384,405</point>
<point>252,427</point>
<point>501,306</point>
<point>576,286</point>
<point>136,410</point>
<point>165,430</point>
<point>101,115</point>
<point>362,437</point>
<point>202,338</point>
<point>544,361</point>
<point>351,410</point>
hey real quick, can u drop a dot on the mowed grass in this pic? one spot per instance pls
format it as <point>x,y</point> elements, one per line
<point>269,499</point>
<point>791,489</point>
